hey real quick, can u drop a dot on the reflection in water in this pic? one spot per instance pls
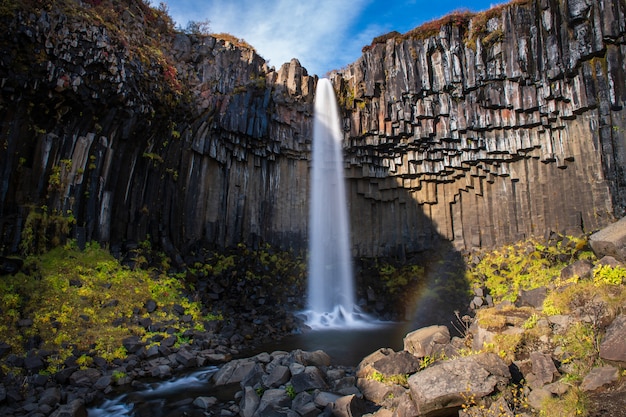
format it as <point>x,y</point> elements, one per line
<point>346,346</point>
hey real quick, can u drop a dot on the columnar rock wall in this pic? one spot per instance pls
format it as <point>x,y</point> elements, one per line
<point>199,143</point>
<point>489,129</point>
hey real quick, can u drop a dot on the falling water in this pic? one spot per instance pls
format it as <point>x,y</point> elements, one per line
<point>331,287</point>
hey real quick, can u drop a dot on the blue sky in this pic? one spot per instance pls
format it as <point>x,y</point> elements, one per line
<point>324,34</point>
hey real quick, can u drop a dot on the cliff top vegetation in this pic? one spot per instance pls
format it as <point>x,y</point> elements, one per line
<point>473,25</point>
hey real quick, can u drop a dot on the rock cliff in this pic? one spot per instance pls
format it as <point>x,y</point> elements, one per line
<point>489,128</point>
<point>480,129</point>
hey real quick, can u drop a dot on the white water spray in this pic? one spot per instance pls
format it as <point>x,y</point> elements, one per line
<point>331,287</point>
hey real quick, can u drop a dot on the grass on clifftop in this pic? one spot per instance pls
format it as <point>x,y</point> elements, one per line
<point>86,300</point>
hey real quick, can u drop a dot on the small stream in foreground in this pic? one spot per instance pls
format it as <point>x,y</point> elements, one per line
<point>174,397</point>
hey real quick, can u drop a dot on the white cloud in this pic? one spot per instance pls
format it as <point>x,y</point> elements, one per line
<point>319,34</point>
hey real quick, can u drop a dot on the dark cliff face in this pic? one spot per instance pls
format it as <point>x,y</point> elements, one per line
<point>184,139</point>
<point>488,129</point>
<point>493,127</point>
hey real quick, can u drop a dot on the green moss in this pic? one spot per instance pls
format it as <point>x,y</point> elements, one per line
<point>86,300</point>
<point>524,266</point>
<point>396,379</point>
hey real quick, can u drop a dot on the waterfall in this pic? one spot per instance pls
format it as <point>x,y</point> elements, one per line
<point>330,281</point>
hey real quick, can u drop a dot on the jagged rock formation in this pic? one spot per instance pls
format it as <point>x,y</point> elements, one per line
<point>199,142</point>
<point>490,128</point>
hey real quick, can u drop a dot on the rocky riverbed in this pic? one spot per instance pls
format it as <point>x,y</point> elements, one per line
<point>559,348</point>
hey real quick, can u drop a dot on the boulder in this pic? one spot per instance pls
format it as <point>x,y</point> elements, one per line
<point>272,401</point>
<point>233,372</point>
<point>278,376</point>
<point>85,377</point>
<point>447,384</point>
<point>610,241</point>
<point>532,298</point>
<point>161,371</point>
<point>34,363</point>
<point>75,408</point>
<point>537,396</point>
<point>312,378</point>
<point>186,358</point>
<point>315,358</point>
<point>379,392</point>
<point>599,377</point>
<point>204,402</point>
<point>103,382</point>
<point>582,268</point>
<point>303,405</point>
<point>348,406</point>
<point>249,402</point>
<point>51,397</point>
<point>543,370</point>
<point>397,363</point>
<point>427,341</point>
<point>613,345</point>
<point>323,399</point>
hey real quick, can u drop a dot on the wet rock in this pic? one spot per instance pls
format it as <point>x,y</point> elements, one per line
<point>103,382</point>
<point>204,402</point>
<point>315,358</point>
<point>161,371</point>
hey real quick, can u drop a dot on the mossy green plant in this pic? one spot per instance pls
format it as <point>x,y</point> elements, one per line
<point>87,301</point>
<point>525,265</point>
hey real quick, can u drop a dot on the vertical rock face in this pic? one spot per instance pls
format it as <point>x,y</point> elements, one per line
<point>200,143</point>
<point>481,129</point>
<point>489,128</point>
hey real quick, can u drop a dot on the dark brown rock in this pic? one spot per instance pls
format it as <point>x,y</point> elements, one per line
<point>599,377</point>
<point>445,385</point>
<point>613,344</point>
